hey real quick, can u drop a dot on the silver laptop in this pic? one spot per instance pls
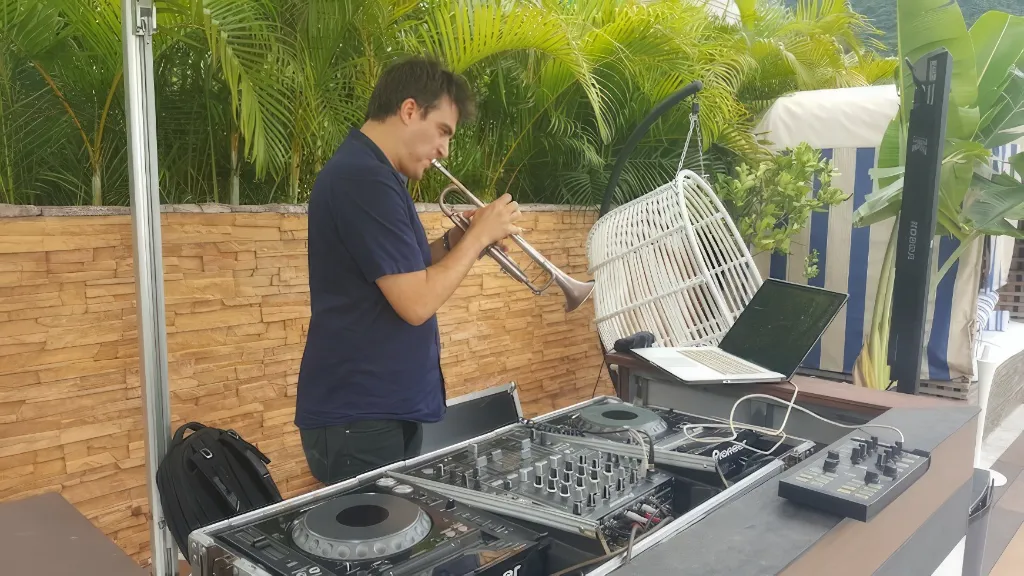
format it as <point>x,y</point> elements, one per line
<point>767,343</point>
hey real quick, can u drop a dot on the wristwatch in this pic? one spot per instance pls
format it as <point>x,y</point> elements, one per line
<point>446,242</point>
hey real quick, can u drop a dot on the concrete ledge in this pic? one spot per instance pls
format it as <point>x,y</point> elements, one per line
<point>19,211</point>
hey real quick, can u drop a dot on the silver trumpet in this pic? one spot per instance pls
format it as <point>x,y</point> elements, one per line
<point>575,292</point>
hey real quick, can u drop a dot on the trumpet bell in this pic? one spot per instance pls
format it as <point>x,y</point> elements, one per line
<point>576,293</point>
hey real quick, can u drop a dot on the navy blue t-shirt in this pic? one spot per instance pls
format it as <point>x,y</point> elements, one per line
<point>362,360</point>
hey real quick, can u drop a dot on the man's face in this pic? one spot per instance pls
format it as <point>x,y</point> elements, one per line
<point>426,136</point>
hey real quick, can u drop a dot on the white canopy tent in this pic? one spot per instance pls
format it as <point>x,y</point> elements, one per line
<point>837,118</point>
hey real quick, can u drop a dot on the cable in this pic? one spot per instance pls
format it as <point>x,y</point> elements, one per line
<point>791,405</point>
<point>597,381</point>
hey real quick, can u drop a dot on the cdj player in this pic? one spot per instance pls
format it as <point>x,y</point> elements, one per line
<point>387,528</point>
<point>570,492</point>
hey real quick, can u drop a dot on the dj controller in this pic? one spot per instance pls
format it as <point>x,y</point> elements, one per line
<point>567,493</point>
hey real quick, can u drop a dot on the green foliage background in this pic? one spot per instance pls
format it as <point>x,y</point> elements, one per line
<point>253,96</point>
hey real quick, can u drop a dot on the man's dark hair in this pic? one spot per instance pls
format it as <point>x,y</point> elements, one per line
<point>424,80</point>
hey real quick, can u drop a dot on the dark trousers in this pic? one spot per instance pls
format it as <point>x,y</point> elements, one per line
<point>337,453</point>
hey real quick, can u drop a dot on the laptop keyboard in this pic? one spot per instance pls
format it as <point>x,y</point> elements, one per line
<point>718,360</point>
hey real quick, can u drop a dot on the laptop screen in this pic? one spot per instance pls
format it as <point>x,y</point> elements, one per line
<point>781,323</point>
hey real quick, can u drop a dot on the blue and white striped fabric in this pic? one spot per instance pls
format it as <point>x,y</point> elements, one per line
<point>848,125</point>
<point>850,259</point>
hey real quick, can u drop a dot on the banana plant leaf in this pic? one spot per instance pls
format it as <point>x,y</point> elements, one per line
<point>998,40</point>
<point>992,203</point>
<point>924,26</point>
<point>1017,163</point>
<point>1005,121</point>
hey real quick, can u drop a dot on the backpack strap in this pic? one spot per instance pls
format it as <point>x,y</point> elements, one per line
<point>203,458</point>
<point>258,460</point>
<point>179,434</point>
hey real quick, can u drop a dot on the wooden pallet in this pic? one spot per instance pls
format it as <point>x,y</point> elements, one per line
<point>955,390</point>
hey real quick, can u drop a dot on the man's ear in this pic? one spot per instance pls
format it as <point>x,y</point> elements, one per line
<point>408,110</point>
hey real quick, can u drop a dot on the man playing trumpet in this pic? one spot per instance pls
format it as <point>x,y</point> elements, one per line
<point>370,373</point>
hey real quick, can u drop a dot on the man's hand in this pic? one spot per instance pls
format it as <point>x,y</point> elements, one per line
<point>495,221</point>
<point>456,233</point>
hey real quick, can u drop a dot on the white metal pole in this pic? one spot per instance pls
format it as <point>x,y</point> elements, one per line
<point>138,19</point>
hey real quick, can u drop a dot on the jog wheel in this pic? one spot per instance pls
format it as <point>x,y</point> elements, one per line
<point>361,527</point>
<point>606,417</point>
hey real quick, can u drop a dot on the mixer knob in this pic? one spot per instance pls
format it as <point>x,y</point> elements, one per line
<point>563,491</point>
<point>555,461</point>
<point>440,471</point>
<point>581,469</point>
<point>538,481</point>
<point>533,436</point>
<point>524,445</point>
<point>830,466</point>
<point>890,470</point>
<point>607,467</point>
<point>551,485</point>
<point>507,484</point>
<point>449,504</point>
<point>581,459</point>
<point>880,461</point>
<point>898,449</point>
<point>577,494</point>
<point>874,443</point>
<point>480,463</point>
<point>577,508</point>
<point>553,473</point>
<point>593,485</point>
<point>476,483</point>
<point>568,465</point>
<point>833,455</point>
<point>592,500</point>
<point>634,476</point>
<point>606,492</point>
<point>870,477</point>
<point>524,475</point>
<point>620,484</point>
<point>538,468</point>
<point>579,481</point>
<point>453,476</point>
<point>475,472</point>
<point>473,450</point>
<point>566,477</point>
<point>593,475</point>
<point>594,464</point>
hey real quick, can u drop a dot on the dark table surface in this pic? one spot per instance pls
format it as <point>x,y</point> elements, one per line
<point>44,535</point>
<point>761,534</point>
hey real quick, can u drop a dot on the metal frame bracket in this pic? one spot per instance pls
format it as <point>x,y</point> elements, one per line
<point>145,18</point>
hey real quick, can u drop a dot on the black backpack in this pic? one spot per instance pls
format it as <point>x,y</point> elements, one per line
<point>208,476</point>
